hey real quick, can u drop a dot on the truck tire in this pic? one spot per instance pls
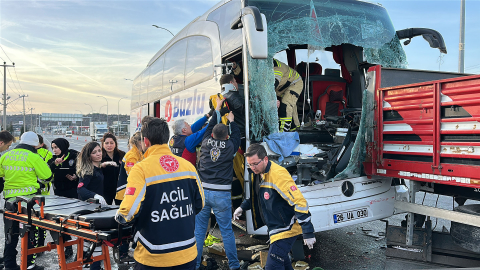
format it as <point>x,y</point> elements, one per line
<point>467,236</point>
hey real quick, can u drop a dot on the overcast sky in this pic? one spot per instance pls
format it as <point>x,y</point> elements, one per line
<point>67,53</point>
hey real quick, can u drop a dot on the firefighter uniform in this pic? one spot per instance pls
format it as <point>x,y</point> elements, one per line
<point>131,158</point>
<point>288,87</point>
<point>278,203</point>
<point>21,167</point>
<point>162,197</point>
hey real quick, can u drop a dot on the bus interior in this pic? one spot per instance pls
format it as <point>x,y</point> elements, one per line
<point>330,109</point>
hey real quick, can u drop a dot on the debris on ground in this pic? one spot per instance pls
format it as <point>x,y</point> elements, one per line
<point>217,249</point>
<point>350,233</point>
<point>257,248</point>
<point>365,230</point>
<point>255,266</point>
<point>300,265</point>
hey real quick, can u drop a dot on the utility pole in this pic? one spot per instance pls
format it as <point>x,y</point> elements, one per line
<point>4,122</point>
<point>461,46</point>
<point>24,96</point>
<point>31,118</point>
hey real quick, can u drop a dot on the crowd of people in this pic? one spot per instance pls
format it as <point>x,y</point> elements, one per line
<point>166,186</point>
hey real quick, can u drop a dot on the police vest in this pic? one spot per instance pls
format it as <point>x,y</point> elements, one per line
<point>216,164</point>
<point>177,144</point>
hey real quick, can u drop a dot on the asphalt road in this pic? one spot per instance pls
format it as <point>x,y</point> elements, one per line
<point>345,248</point>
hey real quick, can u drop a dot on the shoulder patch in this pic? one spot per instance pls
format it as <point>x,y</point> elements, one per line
<point>293,188</point>
<point>70,162</point>
<point>171,142</point>
<point>130,164</point>
<point>80,185</point>
<point>130,191</point>
<point>169,163</point>
<point>266,195</point>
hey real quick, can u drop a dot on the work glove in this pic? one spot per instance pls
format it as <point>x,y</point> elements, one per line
<point>238,212</point>
<point>100,199</point>
<point>309,242</point>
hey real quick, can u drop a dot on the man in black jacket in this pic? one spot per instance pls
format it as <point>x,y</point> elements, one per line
<point>216,173</point>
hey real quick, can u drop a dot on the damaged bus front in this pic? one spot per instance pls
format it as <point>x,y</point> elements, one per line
<point>335,108</point>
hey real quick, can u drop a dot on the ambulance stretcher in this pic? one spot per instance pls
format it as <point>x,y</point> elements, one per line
<point>87,221</point>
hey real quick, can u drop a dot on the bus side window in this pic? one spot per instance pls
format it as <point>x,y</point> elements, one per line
<point>199,66</point>
<point>174,67</point>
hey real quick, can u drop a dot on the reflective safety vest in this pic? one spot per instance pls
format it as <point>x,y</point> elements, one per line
<point>162,197</point>
<point>20,168</point>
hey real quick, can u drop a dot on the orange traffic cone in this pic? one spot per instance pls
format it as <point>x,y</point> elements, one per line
<point>85,139</point>
<point>77,138</point>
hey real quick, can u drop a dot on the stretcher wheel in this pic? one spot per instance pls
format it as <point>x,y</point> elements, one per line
<point>467,236</point>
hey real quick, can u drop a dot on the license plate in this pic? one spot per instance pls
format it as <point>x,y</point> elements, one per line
<point>350,215</point>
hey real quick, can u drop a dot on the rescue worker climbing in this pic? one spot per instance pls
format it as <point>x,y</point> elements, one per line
<point>288,87</point>
<point>162,197</point>
<point>21,167</point>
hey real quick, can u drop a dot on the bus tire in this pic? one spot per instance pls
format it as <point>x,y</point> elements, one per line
<point>467,236</point>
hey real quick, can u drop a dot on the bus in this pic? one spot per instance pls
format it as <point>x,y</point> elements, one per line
<point>331,44</point>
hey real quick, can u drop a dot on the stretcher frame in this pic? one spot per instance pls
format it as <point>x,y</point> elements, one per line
<point>83,231</point>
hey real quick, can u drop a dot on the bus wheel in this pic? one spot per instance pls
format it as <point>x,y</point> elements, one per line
<point>467,236</point>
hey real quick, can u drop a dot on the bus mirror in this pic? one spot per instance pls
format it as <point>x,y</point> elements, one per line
<point>434,38</point>
<point>256,40</point>
<point>255,26</point>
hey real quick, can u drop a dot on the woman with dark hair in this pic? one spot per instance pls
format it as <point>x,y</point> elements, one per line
<point>110,165</point>
<point>91,180</point>
<point>63,166</point>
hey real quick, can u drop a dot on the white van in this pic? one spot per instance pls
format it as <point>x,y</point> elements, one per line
<point>68,134</point>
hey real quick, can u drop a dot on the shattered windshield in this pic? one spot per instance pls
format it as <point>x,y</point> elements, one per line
<point>319,24</point>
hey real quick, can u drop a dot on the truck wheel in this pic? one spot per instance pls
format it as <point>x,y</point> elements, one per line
<point>467,236</point>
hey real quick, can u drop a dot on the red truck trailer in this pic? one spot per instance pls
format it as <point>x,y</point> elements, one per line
<point>428,132</point>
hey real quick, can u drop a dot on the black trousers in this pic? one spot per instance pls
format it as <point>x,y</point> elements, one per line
<point>188,266</point>
<point>12,232</point>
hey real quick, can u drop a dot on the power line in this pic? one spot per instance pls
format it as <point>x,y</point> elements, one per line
<point>6,54</point>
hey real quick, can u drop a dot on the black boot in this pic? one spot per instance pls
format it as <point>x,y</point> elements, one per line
<point>68,252</point>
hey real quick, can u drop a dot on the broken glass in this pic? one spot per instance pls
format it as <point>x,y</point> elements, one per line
<point>318,24</point>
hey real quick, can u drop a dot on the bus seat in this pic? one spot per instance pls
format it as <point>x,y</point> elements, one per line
<point>332,72</point>
<point>332,100</point>
<point>314,69</point>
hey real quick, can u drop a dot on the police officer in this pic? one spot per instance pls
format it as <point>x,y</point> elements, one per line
<point>278,203</point>
<point>21,167</point>
<point>162,197</point>
<point>216,172</point>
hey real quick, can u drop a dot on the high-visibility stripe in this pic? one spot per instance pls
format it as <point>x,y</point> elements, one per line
<point>275,231</point>
<point>305,220</point>
<point>170,175</point>
<point>121,187</point>
<point>272,185</point>
<point>164,246</point>
<point>136,203</point>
